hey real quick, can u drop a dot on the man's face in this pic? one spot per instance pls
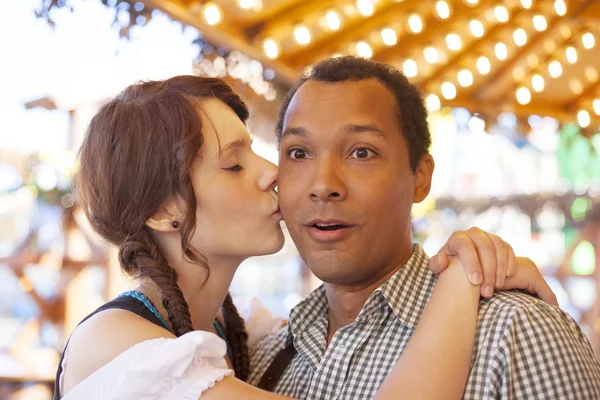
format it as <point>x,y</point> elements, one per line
<point>345,185</point>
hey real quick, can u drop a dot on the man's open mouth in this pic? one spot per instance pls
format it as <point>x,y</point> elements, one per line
<point>329,227</point>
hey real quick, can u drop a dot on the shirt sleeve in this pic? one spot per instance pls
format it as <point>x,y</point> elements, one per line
<point>541,353</point>
<point>163,368</point>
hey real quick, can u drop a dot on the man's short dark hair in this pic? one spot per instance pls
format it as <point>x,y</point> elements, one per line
<point>412,115</point>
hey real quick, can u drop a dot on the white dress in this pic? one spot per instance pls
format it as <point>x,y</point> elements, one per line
<point>179,368</point>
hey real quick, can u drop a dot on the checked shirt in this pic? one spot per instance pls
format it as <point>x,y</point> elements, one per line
<point>524,348</point>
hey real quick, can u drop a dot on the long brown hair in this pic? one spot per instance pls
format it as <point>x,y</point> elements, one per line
<point>137,155</point>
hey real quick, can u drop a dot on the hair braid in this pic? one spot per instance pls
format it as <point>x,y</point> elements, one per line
<point>141,257</point>
<point>235,330</point>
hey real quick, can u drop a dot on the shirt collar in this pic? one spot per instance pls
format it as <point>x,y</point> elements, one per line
<point>406,292</point>
<point>312,308</point>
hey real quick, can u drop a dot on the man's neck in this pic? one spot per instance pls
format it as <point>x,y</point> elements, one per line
<point>346,301</point>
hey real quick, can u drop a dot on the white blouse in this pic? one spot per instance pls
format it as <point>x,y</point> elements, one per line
<point>169,368</point>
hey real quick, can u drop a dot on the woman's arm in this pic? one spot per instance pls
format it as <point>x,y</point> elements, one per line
<point>437,359</point>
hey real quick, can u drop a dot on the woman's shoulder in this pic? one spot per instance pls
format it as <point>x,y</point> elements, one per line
<point>101,338</point>
<point>156,361</point>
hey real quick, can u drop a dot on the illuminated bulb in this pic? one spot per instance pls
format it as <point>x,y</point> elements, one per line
<point>588,41</point>
<point>565,31</point>
<point>483,65</point>
<point>333,20</point>
<point>571,55</point>
<point>442,8</point>
<point>591,74</point>
<point>539,23</point>
<point>271,49</point>
<point>212,14</point>
<point>576,86</point>
<point>526,4</point>
<point>465,78</point>
<point>410,68</point>
<point>533,60</point>
<point>365,7</point>
<point>550,46</point>
<point>472,2</point>
<point>537,82</point>
<point>415,23</point>
<point>560,7</point>
<point>520,37</point>
<point>431,55</point>
<point>364,50</point>
<point>453,41</point>
<point>555,69</point>
<point>448,90</point>
<point>501,51</point>
<point>389,37</point>
<point>518,74</point>
<point>476,28</point>
<point>596,105</point>
<point>432,102</point>
<point>583,117</point>
<point>523,95</point>
<point>246,4</point>
<point>302,35</point>
<point>501,14</point>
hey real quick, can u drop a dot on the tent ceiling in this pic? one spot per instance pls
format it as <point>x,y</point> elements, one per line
<point>542,58</point>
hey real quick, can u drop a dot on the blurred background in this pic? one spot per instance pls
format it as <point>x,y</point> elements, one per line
<point>512,87</point>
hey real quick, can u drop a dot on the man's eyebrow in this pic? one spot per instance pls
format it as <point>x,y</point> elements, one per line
<point>355,128</point>
<point>232,145</point>
<point>348,128</point>
<point>294,132</point>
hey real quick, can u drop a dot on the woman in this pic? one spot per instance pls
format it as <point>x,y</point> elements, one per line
<point>168,175</point>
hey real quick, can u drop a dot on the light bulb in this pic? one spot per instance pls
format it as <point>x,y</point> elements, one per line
<point>271,48</point>
<point>483,65</point>
<point>523,95</point>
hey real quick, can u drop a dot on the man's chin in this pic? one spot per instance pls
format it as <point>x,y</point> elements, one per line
<point>333,271</point>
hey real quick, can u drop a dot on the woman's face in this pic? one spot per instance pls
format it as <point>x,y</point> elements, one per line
<point>237,212</point>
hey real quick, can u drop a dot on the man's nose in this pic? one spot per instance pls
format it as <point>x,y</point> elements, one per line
<point>328,183</point>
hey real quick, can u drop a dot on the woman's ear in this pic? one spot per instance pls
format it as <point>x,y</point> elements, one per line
<point>168,218</point>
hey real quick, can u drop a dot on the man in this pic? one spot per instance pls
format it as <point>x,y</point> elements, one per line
<point>353,159</point>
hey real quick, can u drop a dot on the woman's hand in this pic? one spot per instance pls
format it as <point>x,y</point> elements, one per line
<point>490,262</point>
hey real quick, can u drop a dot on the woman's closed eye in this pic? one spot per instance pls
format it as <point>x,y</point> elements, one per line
<point>235,168</point>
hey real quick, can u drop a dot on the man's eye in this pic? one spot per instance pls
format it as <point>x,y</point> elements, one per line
<point>362,153</point>
<point>297,154</point>
<point>235,168</point>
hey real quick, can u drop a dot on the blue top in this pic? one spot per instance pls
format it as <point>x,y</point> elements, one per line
<point>141,297</point>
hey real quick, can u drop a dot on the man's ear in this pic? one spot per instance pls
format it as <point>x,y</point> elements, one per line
<point>423,177</point>
<point>163,219</point>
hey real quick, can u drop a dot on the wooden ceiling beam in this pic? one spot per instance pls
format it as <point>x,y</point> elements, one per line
<point>495,108</point>
<point>216,35</point>
<point>290,15</point>
<point>468,50</point>
<point>543,63</point>
<point>331,42</point>
<point>506,67</point>
<point>433,28</point>
<point>591,13</point>
<point>588,93</point>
